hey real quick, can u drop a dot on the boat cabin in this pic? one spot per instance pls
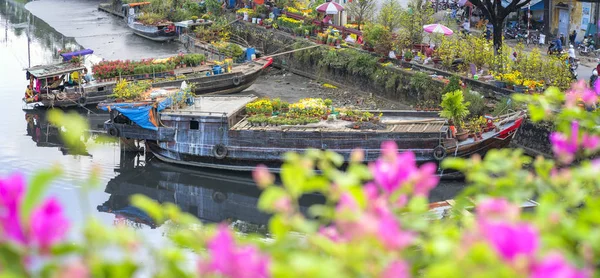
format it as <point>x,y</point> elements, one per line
<point>54,80</point>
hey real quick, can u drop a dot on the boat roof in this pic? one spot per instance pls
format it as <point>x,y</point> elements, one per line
<point>70,55</point>
<point>214,105</point>
<point>43,71</point>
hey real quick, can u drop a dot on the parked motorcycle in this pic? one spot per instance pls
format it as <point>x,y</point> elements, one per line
<point>585,50</point>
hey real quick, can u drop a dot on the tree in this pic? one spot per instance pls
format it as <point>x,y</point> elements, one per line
<point>388,16</point>
<point>496,14</point>
<point>419,13</point>
<point>361,10</point>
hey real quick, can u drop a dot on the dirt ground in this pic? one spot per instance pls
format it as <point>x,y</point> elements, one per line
<point>290,87</point>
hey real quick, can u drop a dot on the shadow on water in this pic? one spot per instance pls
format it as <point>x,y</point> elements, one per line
<point>211,195</point>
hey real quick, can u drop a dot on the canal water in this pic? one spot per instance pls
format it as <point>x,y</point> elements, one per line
<point>29,143</point>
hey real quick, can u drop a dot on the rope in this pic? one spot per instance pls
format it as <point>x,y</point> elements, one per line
<point>292,51</point>
<point>89,111</point>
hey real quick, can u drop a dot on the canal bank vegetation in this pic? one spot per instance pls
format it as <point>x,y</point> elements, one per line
<point>375,222</point>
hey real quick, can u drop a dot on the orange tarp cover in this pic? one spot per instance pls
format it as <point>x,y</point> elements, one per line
<point>138,4</point>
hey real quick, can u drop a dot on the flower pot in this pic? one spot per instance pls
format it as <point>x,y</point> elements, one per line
<point>520,88</point>
<point>500,84</point>
<point>462,136</point>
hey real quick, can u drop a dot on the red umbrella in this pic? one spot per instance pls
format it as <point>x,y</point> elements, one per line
<point>330,8</point>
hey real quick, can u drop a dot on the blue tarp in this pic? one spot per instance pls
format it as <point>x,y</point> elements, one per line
<point>139,113</point>
<point>70,55</point>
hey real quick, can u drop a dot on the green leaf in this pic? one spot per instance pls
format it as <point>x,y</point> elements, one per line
<point>321,211</point>
<point>293,178</point>
<point>35,191</point>
<point>316,184</point>
<point>278,227</point>
<point>269,197</point>
<point>65,248</point>
<point>418,204</point>
<point>454,163</point>
<point>151,207</point>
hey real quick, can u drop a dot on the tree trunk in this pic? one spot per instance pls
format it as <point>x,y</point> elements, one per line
<point>497,35</point>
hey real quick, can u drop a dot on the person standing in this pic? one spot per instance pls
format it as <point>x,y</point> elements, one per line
<point>573,36</point>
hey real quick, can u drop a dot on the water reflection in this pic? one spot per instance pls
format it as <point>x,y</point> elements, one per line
<point>44,134</point>
<point>23,23</point>
<point>212,196</point>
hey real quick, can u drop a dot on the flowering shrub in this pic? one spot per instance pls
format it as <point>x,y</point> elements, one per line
<point>375,221</point>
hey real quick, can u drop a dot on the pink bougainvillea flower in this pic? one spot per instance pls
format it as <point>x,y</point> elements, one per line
<point>331,233</point>
<point>396,269</point>
<point>389,232</point>
<point>563,146</point>
<point>228,260</point>
<point>554,265</point>
<point>492,209</point>
<point>425,179</point>
<point>589,97</point>
<point>48,224</point>
<point>76,269</point>
<point>12,189</point>
<point>510,240</point>
<point>590,142</point>
<point>262,177</point>
<point>283,205</point>
<point>392,170</point>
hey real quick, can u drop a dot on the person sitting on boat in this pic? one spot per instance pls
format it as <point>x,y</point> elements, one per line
<point>56,83</point>
<point>87,77</point>
<point>74,78</point>
<point>28,94</point>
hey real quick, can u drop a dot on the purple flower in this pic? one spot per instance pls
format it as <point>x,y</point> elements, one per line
<point>554,265</point>
<point>396,269</point>
<point>228,260</point>
<point>496,209</point>
<point>11,194</point>
<point>48,224</point>
<point>510,240</point>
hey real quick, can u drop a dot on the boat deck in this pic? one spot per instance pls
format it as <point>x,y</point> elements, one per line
<point>213,105</point>
<point>342,126</point>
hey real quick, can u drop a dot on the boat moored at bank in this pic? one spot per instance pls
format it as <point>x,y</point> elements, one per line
<point>218,132</point>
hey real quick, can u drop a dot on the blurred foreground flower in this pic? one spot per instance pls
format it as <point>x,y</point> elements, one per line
<point>518,242</point>
<point>565,146</point>
<point>46,226</point>
<point>231,261</point>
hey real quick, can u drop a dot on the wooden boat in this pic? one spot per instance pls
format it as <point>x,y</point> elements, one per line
<point>161,32</point>
<point>203,77</point>
<point>214,132</point>
<point>69,94</point>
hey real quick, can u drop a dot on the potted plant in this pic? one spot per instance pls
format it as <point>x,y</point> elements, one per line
<point>456,109</point>
<point>408,55</point>
<point>194,18</point>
